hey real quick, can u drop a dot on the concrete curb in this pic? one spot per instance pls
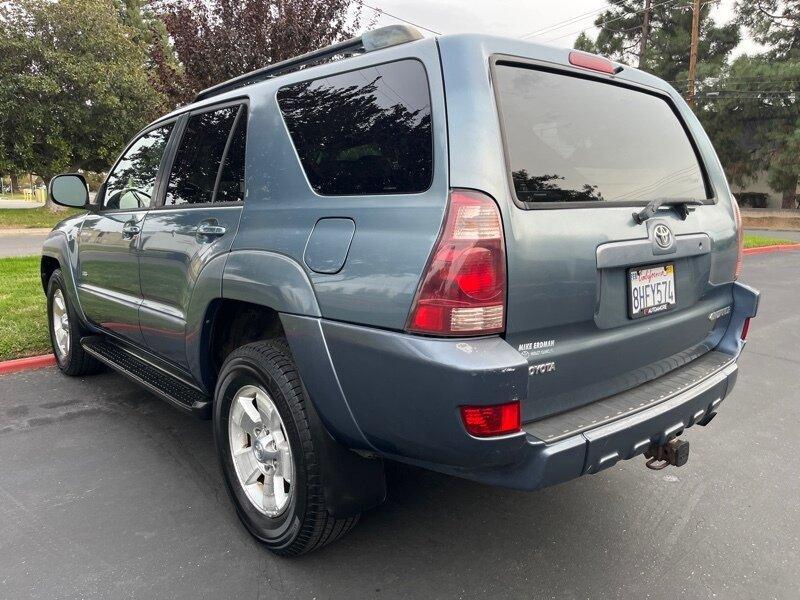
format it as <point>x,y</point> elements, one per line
<point>27,364</point>
<point>770,249</point>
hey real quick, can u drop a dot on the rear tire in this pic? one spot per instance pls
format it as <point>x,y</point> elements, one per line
<point>252,443</point>
<point>66,331</point>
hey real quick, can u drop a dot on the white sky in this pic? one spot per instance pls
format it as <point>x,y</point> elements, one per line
<point>515,18</point>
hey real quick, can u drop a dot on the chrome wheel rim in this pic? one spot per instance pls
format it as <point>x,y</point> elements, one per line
<point>60,325</point>
<point>260,450</point>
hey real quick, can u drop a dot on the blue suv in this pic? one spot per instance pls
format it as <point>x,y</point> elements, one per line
<point>498,260</point>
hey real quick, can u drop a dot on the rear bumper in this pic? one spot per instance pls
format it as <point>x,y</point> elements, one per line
<point>398,396</point>
<point>596,449</point>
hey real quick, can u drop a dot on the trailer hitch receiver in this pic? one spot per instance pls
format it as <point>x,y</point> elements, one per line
<point>675,452</point>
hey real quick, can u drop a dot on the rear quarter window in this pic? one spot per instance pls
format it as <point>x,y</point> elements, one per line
<point>363,132</point>
<point>570,139</point>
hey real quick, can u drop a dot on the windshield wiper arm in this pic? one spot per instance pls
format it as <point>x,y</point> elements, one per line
<point>682,204</point>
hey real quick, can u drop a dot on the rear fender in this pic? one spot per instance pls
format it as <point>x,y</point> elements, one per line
<point>745,306</point>
<point>258,277</point>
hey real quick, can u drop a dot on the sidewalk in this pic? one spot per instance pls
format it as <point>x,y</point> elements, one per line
<point>4,203</point>
<point>21,242</point>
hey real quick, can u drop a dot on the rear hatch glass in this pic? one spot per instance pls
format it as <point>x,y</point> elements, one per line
<point>571,139</point>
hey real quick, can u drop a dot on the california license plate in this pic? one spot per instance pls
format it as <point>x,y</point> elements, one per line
<point>651,290</point>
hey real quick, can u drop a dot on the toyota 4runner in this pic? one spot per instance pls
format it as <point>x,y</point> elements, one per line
<point>498,260</point>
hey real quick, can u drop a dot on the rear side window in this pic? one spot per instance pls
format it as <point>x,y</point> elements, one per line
<point>363,132</point>
<point>211,154</point>
<point>575,140</point>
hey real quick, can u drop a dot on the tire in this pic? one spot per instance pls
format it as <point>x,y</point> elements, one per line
<point>70,355</point>
<point>302,523</point>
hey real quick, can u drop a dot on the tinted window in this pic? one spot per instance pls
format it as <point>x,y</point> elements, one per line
<point>572,139</point>
<point>363,132</point>
<point>231,180</point>
<point>130,183</point>
<point>197,161</point>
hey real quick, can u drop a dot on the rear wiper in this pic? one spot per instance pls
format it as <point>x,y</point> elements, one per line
<point>682,205</point>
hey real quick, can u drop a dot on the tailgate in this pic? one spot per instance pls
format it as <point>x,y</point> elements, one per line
<point>597,302</point>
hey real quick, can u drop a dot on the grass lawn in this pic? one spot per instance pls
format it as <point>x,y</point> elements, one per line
<point>27,218</point>
<point>23,321</point>
<point>757,241</point>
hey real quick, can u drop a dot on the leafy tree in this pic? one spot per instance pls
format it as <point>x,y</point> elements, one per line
<point>74,86</point>
<point>757,106</point>
<point>774,23</point>
<point>669,42</point>
<point>216,40</point>
<point>164,71</point>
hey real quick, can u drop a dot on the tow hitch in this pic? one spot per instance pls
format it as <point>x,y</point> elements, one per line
<point>675,452</point>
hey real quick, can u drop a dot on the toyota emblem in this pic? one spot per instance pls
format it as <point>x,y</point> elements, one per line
<point>663,236</point>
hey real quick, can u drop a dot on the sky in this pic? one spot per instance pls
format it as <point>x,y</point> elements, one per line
<point>516,18</point>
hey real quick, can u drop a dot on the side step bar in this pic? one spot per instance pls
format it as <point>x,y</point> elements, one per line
<point>155,379</point>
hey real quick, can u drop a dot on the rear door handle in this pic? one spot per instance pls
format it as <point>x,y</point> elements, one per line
<point>210,230</point>
<point>130,230</point>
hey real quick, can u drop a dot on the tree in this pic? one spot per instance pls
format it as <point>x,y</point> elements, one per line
<point>75,86</point>
<point>760,98</point>
<point>216,40</point>
<point>667,53</point>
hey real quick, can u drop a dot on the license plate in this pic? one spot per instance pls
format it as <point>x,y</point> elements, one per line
<point>651,290</point>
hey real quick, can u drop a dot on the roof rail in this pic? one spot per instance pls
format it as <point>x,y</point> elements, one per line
<point>384,37</point>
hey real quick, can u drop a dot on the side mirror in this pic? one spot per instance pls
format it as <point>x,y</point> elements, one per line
<point>69,190</point>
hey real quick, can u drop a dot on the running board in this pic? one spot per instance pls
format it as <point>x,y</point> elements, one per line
<point>155,379</point>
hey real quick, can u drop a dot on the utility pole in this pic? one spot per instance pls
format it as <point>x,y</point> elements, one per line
<point>645,31</point>
<point>690,91</point>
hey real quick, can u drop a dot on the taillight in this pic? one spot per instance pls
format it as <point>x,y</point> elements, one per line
<point>745,329</point>
<point>497,419</point>
<point>737,217</point>
<point>463,291</point>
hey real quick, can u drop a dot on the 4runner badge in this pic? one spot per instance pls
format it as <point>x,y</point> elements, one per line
<point>542,368</point>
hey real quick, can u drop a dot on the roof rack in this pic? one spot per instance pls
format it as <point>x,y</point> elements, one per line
<point>384,37</point>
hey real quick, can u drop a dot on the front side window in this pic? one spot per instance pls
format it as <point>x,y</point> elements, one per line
<point>130,183</point>
<point>205,158</point>
<point>577,140</point>
<point>363,132</point>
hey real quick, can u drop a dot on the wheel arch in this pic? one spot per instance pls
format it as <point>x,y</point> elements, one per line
<point>238,299</point>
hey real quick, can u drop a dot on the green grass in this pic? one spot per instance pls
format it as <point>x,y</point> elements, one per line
<point>757,241</point>
<point>27,218</point>
<point>23,309</point>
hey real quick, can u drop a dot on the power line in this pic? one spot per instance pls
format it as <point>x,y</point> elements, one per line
<point>619,18</point>
<point>664,4</point>
<point>564,23</point>
<point>380,11</point>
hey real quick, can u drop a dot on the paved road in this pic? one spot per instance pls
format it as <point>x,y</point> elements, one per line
<point>5,203</point>
<point>106,492</point>
<point>21,244</point>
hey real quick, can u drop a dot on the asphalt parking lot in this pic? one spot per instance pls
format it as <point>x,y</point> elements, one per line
<point>106,492</point>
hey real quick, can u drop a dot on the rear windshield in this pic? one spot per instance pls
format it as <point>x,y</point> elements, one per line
<point>576,140</point>
<point>363,132</point>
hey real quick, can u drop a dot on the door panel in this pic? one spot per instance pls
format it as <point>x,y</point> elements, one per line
<point>108,272</point>
<point>172,257</point>
<point>108,253</point>
<point>197,222</point>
